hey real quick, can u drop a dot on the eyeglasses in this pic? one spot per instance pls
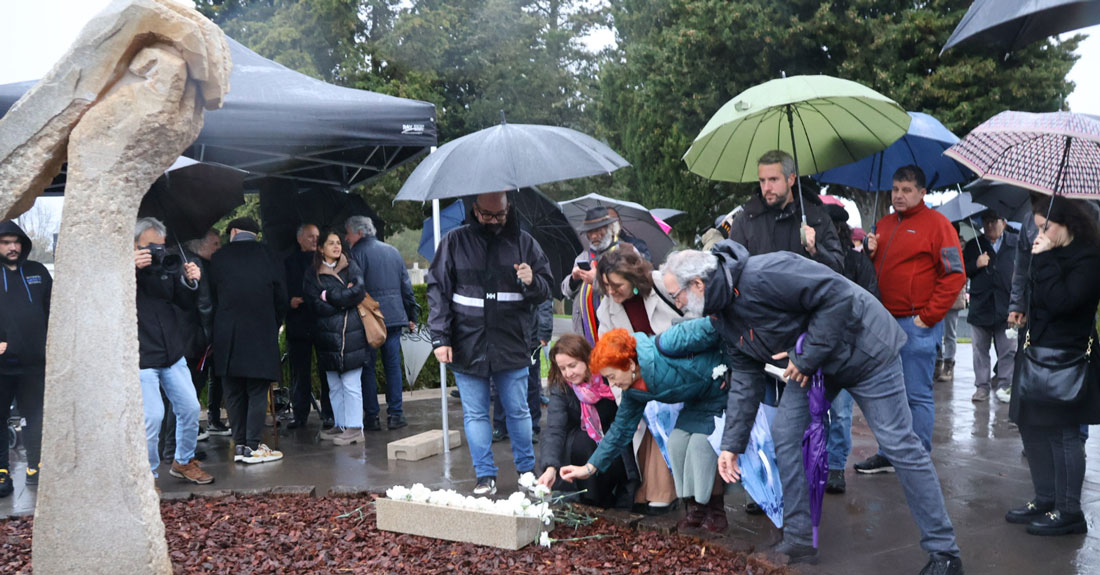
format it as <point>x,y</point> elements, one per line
<point>676,296</point>
<point>491,216</point>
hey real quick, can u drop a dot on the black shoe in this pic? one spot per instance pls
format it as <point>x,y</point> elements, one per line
<point>6,485</point>
<point>874,464</point>
<point>835,483</point>
<point>752,508</point>
<point>1058,523</point>
<point>797,553</point>
<point>485,486</point>
<point>943,566</point>
<point>499,435</point>
<point>455,394</point>
<point>218,428</point>
<point>372,424</point>
<point>328,423</point>
<point>534,440</point>
<point>295,424</point>
<point>396,422</point>
<point>32,475</point>
<point>200,455</point>
<point>1028,513</point>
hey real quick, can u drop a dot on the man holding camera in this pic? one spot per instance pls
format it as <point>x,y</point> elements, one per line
<point>166,283</point>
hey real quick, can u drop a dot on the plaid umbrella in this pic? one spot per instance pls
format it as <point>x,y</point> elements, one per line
<point>815,456</point>
<point>1054,153</point>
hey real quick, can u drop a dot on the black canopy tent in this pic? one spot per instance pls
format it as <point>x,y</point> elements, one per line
<point>293,133</point>
<point>278,123</point>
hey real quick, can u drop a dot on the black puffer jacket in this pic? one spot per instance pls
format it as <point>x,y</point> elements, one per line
<point>338,334</point>
<point>763,230</point>
<point>477,305</point>
<point>762,304</point>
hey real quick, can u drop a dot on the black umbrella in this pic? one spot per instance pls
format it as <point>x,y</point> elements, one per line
<point>1012,203</point>
<point>1012,24</point>
<point>192,196</point>
<point>543,219</point>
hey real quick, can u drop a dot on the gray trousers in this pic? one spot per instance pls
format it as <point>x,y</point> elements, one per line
<point>882,399</point>
<point>694,464</point>
<point>1006,356</point>
<point>950,335</point>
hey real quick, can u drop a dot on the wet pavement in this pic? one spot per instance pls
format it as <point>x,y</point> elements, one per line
<point>867,530</point>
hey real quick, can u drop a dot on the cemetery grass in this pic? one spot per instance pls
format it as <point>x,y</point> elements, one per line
<point>335,535</point>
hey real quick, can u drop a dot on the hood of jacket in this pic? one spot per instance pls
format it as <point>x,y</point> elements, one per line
<point>722,282</point>
<point>341,265</point>
<point>10,228</point>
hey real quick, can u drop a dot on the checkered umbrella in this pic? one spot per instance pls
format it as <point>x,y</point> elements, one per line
<point>1054,153</point>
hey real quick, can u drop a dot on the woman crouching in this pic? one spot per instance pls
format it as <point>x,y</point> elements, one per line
<point>676,366</point>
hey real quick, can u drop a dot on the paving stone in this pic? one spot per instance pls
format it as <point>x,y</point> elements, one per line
<point>421,445</point>
<point>348,491</point>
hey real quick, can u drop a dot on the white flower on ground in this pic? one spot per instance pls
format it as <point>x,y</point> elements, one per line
<point>399,492</point>
<point>544,539</point>
<point>719,371</point>
<point>528,480</point>
<point>419,493</point>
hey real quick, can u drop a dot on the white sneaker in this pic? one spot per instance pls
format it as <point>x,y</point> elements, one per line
<point>203,435</point>
<point>1004,395</point>
<point>262,454</point>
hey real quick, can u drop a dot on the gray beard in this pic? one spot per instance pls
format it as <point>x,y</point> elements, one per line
<point>694,306</point>
<point>605,242</point>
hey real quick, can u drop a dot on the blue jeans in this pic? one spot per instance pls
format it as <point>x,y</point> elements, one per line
<point>391,365</point>
<point>512,387</point>
<point>882,399</point>
<point>345,390</point>
<point>534,398</point>
<point>918,362</point>
<point>176,383</point>
<point>840,431</point>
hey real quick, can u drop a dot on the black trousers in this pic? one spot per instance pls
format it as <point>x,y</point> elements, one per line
<point>246,401</point>
<point>26,388</point>
<point>300,354</point>
<point>604,489</point>
<point>1056,458</point>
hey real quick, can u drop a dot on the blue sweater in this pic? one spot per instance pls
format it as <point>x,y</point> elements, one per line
<point>677,366</point>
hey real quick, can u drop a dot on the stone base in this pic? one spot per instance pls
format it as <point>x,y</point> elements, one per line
<point>453,524</point>
<point>421,445</point>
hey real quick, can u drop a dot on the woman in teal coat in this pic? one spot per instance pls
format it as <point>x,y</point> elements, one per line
<point>680,365</point>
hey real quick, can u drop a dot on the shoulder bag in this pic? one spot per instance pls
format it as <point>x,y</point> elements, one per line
<point>373,323</point>
<point>1053,377</point>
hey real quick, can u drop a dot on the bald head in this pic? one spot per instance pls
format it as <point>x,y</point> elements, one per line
<point>307,237</point>
<point>493,202</point>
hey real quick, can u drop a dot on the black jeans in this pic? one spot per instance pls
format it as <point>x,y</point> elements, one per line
<point>534,398</point>
<point>1056,457</point>
<point>246,399</point>
<point>27,388</point>
<point>300,355</point>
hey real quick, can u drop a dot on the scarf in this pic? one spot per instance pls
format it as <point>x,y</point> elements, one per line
<point>589,393</point>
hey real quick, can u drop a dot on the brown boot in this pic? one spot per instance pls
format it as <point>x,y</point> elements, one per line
<point>693,515</point>
<point>948,373</point>
<point>938,371</point>
<point>715,520</point>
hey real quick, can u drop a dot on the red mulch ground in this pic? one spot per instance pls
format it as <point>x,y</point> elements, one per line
<point>277,535</point>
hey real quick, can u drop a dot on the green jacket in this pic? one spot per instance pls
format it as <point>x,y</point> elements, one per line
<point>677,366</point>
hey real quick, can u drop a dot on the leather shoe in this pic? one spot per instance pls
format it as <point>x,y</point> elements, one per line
<point>797,553</point>
<point>372,424</point>
<point>1031,511</point>
<point>835,483</point>
<point>1058,523</point>
<point>396,422</point>
<point>715,514</point>
<point>693,515</point>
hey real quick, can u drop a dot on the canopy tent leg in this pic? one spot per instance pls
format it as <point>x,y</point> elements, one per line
<point>442,366</point>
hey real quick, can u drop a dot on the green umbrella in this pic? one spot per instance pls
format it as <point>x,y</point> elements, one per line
<point>832,122</point>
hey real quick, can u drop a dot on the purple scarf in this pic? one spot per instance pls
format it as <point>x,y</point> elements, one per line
<point>589,393</point>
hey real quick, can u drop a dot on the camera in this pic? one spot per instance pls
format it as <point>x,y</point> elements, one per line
<point>163,261</point>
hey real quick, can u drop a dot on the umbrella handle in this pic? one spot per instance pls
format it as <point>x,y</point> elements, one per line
<point>798,344</point>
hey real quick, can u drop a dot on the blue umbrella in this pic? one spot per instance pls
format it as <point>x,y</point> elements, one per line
<point>922,145</point>
<point>450,218</point>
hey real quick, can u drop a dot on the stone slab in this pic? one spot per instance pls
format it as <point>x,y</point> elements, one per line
<point>452,524</point>
<point>294,491</point>
<point>421,445</point>
<point>348,491</point>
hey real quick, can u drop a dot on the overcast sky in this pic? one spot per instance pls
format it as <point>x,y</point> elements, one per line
<point>34,34</point>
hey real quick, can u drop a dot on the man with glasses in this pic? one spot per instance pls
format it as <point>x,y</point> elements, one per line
<point>483,285</point>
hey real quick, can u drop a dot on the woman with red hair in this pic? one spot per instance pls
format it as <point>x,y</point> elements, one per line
<point>680,365</point>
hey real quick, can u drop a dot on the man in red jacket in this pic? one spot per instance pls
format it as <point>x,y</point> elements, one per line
<point>919,266</point>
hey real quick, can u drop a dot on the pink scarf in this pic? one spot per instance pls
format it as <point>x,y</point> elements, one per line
<point>589,393</point>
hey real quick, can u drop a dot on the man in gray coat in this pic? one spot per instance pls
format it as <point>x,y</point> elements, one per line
<point>762,306</point>
<point>387,281</point>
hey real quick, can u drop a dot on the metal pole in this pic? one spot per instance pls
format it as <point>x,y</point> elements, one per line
<point>794,149</point>
<point>442,366</point>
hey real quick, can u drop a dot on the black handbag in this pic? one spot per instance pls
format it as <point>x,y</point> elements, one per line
<point>1053,377</point>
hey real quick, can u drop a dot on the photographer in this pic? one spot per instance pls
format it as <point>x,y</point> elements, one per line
<point>165,283</point>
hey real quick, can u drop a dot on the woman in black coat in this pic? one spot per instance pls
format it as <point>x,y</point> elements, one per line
<point>333,288</point>
<point>572,429</point>
<point>1064,285</point>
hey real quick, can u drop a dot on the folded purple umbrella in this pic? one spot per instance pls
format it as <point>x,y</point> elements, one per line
<point>815,456</point>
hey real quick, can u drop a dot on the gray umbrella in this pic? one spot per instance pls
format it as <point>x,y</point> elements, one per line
<point>961,207</point>
<point>1013,203</point>
<point>1012,24</point>
<point>636,220</point>
<point>508,157</point>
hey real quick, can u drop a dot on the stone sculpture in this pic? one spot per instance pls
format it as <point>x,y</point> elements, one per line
<point>119,107</point>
